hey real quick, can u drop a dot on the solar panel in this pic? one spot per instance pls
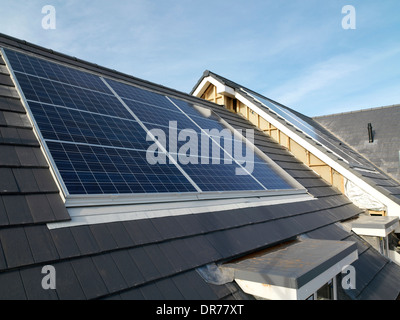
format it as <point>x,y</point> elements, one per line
<point>349,156</point>
<point>98,132</point>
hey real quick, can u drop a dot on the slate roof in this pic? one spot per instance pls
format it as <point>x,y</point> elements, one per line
<point>379,179</point>
<point>352,127</point>
<point>150,258</point>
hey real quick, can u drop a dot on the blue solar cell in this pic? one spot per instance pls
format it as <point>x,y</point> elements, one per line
<point>139,94</point>
<point>42,90</point>
<point>54,71</point>
<point>64,124</point>
<point>220,177</point>
<point>98,170</point>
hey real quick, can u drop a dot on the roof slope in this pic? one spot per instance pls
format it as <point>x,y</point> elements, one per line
<point>352,127</point>
<point>154,258</point>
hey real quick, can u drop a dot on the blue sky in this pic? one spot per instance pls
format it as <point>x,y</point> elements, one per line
<point>293,51</point>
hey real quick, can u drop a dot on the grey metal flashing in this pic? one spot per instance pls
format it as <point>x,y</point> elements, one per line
<point>375,222</point>
<point>292,265</point>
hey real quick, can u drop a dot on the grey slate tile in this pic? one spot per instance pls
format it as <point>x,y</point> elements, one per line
<point>362,245</point>
<point>132,294</point>
<point>210,222</point>
<point>8,92</point>
<point>32,281</point>
<point>85,240</point>
<point>65,243</point>
<point>27,137</point>
<point>16,247</point>
<point>8,156</point>
<point>367,267</point>
<point>136,233</point>
<point>345,212</point>
<point>144,263</point>
<point>57,205</point>
<point>160,260</point>
<point>191,224</point>
<point>25,156</point>
<point>168,227</point>
<point>41,161</point>
<point>3,214</point>
<point>385,286</point>
<point>17,209</point>
<point>3,264</point>
<point>40,208</point>
<point>9,136</point>
<point>224,242</point>
<point>4,70</point>
<point>26,180</point>
<point>15,289</point>
<point>67,283</point>
<point>14,119</point>
<point>149,232</point>
<point>329,232</point>
<point>41,243</point>
<point>175,257</point>
<point>3,121</point>
<point>323,191</point>
<point>168,290</point>
<point>5,80</point>
<point>89,278</point>
<point>114,297</point>
<point>202,288</point>
<point>127,268</point>
<point>103,237</point>
<point>202,251</point>
<point>151,292</point>
<point>8,183</point>
<point>185,285</point>
<point>120,234</point>
<point>45,180</point>
<point>109,272</point>
<point>14,105</point>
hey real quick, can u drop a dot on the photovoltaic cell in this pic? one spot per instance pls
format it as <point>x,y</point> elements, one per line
<point>45,69</point>
<point>99,170</point>
<point>60,94</point>
<point>100,145</point>
<point>71,125</point>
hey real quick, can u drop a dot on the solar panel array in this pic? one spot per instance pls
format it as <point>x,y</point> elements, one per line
<point>97,132</point>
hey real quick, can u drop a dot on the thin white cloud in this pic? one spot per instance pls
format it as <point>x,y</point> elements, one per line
<point>343,70</point>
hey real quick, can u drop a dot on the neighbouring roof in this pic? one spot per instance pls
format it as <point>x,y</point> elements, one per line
<point>352,128</point>
<point>150,258</point>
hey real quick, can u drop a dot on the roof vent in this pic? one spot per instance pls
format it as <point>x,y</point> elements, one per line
<point>370,133</point>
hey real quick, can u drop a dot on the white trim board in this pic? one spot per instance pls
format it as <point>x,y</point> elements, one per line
<point>107,214</point>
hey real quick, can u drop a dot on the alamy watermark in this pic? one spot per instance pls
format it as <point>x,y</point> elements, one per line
<point>348,278</point>
<point>49,280</point>
<point>49,20</point>
<point>349,20</point>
